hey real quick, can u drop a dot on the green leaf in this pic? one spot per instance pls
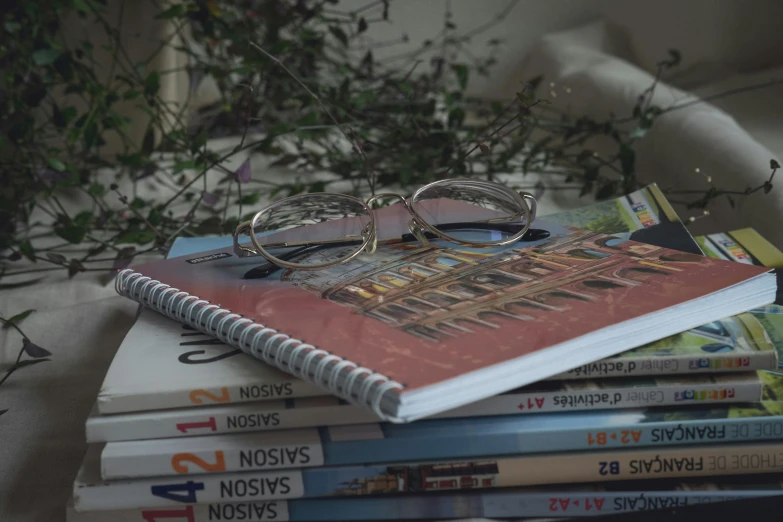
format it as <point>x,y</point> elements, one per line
<point>605,191</point>
<point>774,164</point>
<point>676,57</point>
<point>56,164</point>
<point>83,218</point>
<point>339,34</point>
<point>637,133</point>
<point>148,144</point>
<point>90,135</point>
<point>152,84</point>
<point>199,141</point>
<point>456,117</point>
<point>33,350</point>
<point>45,56</point>
<point>250,199</point>
<point>211,225</point>
<point>461,71</point>
<point>362,25</point>
<point>18,318</point>
<point>81,6</point>
<point>27,250</point>
<point>137,237</point>
<point>72,233</point>
<point>56,258</point>
<point>96,189</point>
<point>172,12</point>
<point>627,159</point>
<point>74,267</point>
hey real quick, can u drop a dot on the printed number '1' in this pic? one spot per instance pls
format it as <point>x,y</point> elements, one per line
<point>185,426</point>
<point>178,460</point>
<point>157,514</point>
<point>172,491</point>
<point>195,396</point>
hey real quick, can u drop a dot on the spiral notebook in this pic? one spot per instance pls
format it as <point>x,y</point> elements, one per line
<point>414,330</point>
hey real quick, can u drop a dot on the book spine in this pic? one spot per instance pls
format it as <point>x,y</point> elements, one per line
<point>207,395</point>
<point>274,511</point>
<point>226,455</point>
<point>363,386</point>
<point>181,491</point>
<point>188,422</point>
<point>430,477</point>
<point>490,505</point>
<point>525,436</point>
<point>209,421</point>
<point>672,365</point>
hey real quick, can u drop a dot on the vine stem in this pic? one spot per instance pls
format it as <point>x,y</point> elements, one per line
<point>7,323</point>
<point>351,137</point>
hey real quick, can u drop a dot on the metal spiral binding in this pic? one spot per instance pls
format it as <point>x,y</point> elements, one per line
<point>260,341</point>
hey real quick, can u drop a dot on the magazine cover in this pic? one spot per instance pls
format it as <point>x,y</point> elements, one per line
<point>408,309</point>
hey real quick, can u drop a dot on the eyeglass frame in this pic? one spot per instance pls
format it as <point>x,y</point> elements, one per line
<point>418,226</point>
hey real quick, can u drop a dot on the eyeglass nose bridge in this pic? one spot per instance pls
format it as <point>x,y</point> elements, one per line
<point>372,243</point>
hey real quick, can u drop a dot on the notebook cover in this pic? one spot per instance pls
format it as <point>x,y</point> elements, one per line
<point>164,364</point>
<point>425,330</point>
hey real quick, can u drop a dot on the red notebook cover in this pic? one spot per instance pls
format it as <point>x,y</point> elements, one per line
<point>414,330</point>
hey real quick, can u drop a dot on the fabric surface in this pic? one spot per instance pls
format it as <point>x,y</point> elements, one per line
<point>82,321</point>
<point>592,61</point>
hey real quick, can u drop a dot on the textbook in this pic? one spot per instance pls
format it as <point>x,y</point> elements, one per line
<point>430,476</point>
<point>164,364</point>
<point>579,501</point>
<point>477,437</point>
<point>544,396</point>
<point>445,327</point>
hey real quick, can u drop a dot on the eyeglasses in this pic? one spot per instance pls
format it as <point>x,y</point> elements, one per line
<point>337,227</point>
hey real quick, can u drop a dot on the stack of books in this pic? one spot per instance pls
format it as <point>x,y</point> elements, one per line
<point>628,399</point>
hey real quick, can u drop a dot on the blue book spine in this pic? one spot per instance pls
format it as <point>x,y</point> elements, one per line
<point>482,437</point>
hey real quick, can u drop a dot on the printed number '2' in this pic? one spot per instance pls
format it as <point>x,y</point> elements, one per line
<point>195,396</point>
<point>153,515</point>
<point>172,491</point>
<point>178,460</point>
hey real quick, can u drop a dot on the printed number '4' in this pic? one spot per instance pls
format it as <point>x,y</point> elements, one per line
<point>185,492</point>
<point>195,396</point>
<point>178,460</point>
<point>153,515</point>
